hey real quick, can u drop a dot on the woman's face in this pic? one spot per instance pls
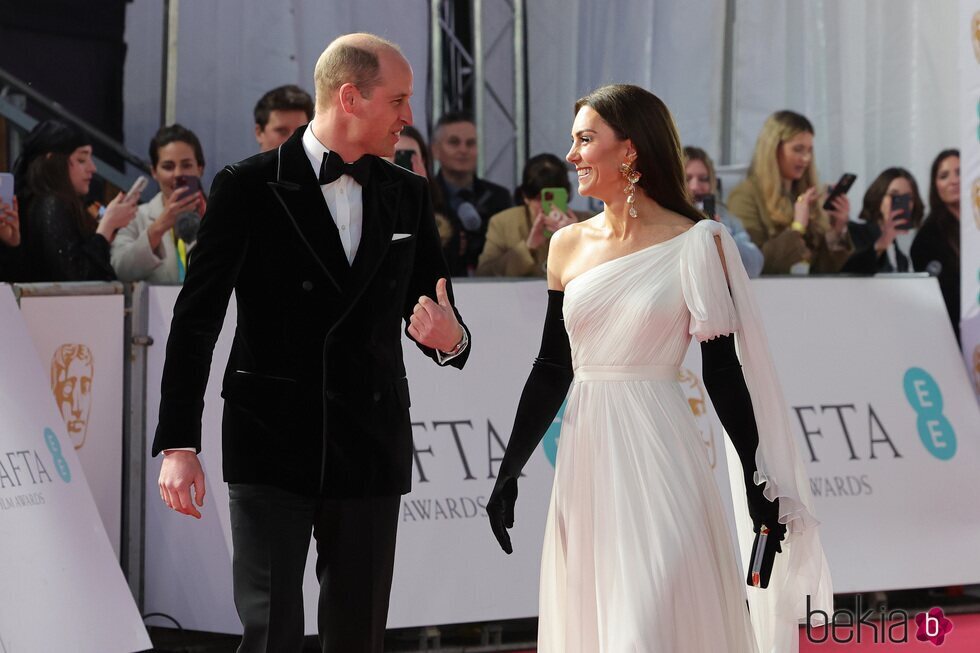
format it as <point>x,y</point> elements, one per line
<point>794,156</point>
<point>81,168</point>
<point>948,180</point>
<point>597,154</point>
<point>173,159</point>
<point>408,143</point>
<point>698,180</point>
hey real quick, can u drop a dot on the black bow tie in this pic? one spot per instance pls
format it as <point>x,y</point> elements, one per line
<point>333,167</point>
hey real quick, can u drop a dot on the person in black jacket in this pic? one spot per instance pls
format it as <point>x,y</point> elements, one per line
<point>936,248</point>
<point>876,246</point>
<point>62,240</point>
<point>471,201</point>
<point>328,248</point>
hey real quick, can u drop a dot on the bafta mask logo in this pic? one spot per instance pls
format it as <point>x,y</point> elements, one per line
<point>72,370</point>
<point>975,34</point>
<point>697,398</point>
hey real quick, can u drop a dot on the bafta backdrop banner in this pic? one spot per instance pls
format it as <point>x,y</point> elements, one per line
<point>79,341</point>
<point>63,589</point>
<point>878,418</point>
<point>968,35</point>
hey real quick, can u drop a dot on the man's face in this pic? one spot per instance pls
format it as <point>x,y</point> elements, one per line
<point>281,125</point>
<point>455,147</point>
<point>73,392</point>
<point>381,114</point>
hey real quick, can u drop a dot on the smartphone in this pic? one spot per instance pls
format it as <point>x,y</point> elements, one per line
<point>707,205</point>
<point>554,197</point>
<point>843,185</point>
<point>7,188</point>
<point>189,181</point>
<point>136,189</point>
<point>903,202</point>
<point>403,158</point>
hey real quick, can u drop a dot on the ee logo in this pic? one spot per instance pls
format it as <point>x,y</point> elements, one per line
<point>54,447</point>
<point>935,431</point>
<point>550,441</point>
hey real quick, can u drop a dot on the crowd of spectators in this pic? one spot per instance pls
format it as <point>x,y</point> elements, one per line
<point>783,219</point>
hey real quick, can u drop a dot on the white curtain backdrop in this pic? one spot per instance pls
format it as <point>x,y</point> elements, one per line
<point>230,52</point>
<point>672,48</point>
<point>878,79</point>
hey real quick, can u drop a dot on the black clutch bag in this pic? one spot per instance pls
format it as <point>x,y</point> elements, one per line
<point>764,550</point>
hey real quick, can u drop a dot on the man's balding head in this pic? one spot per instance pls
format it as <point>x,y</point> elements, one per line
<point>351,59</point>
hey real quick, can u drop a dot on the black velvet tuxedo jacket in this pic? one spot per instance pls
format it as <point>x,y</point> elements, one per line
<point>316,399</point>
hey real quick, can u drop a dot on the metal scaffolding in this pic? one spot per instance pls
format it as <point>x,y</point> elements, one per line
<point>489,78</point>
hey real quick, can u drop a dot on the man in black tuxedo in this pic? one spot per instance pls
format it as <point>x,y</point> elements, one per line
<point>325,258</point>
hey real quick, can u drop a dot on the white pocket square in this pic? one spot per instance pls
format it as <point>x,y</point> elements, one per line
<point>395,237</point>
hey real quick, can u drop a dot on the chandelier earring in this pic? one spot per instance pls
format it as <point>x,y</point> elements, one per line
<point>632,176</point>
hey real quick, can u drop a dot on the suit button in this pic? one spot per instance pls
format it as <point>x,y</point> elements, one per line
<point>307,285</point>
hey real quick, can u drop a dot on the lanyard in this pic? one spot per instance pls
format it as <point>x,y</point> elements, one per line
<point>181,257</point>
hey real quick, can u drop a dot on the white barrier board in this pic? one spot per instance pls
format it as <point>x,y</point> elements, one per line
<point>79,341</point>
<point>881,407</point>
<point>63,589</point>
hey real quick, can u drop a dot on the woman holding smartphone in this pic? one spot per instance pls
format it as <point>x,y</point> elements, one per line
<point>149,249</point>
<point>891,207</point>
<point>781,206</point>
<point>518,237</point>
<point>64,241</point>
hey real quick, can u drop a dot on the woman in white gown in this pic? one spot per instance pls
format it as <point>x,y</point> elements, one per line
<point>637,555</point>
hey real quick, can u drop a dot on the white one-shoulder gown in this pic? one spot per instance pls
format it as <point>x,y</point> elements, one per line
<point>637,555</point>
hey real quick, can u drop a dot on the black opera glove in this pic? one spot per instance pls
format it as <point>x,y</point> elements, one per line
<point>545,390</point>
<point>729,395</point>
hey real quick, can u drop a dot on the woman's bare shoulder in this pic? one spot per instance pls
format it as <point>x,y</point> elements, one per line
<point>563,245</point>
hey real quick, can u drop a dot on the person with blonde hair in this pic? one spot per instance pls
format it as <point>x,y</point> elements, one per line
<point>780,202</point>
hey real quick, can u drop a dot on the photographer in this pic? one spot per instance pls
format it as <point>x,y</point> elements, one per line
<point>154,246</point>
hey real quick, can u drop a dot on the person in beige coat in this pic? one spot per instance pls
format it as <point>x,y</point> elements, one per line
<point>518,237</point>
<point>147,249</point>
<point>780,203</point>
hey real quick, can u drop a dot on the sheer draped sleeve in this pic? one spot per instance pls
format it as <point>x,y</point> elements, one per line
<point>718,307</point>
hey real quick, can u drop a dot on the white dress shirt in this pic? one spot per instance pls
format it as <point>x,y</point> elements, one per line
<point>343,197</point>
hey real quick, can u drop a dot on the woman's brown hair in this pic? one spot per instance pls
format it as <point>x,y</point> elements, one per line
<point>871,208</point>
<point>47,175</point>
<point>640,116</point>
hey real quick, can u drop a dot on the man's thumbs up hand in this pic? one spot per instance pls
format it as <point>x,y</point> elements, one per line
<point>433,323</point>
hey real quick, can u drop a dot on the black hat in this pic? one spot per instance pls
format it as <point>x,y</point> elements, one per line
<point>47,136</point>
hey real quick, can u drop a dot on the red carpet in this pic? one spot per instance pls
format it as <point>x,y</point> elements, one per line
<point>964,638</point>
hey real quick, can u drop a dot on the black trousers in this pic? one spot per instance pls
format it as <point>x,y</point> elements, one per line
<point>355,543</point>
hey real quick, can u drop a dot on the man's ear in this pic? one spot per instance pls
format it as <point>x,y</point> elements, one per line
<point>348,96</point>
<point>258,133</point>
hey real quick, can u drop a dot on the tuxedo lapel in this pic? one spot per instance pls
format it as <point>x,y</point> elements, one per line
<point>380,206</point>
<point>298,191</point>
